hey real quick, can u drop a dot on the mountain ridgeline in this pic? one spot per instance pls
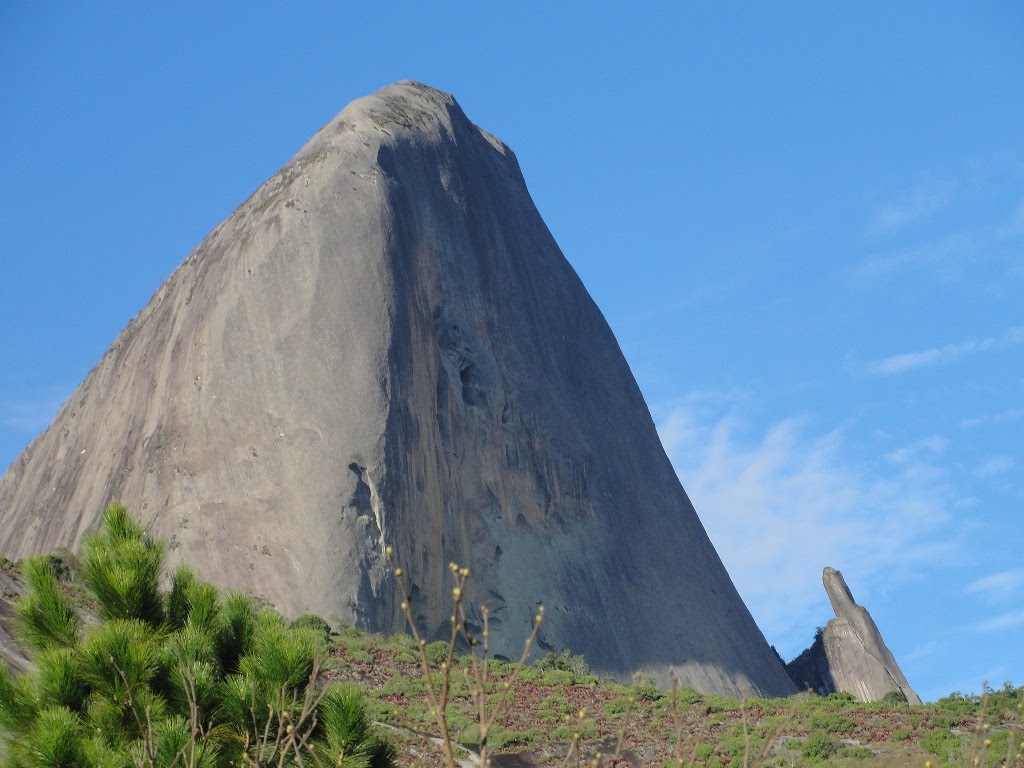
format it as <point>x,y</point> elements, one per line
<point>385,347</point>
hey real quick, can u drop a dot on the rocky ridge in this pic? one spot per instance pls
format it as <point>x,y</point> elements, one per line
<point>849,653</point>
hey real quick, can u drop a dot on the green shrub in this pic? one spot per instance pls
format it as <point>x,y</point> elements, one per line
<point>584,729</point>
<point>818,745</point>
<point>180,678</point>
<point>687,697</point>
<point>498,737</point>
<point>942,743</point>
<point>555,678</point>
<point>617,706</point>
<point>553,708</point>
<point>958,704</point>
<point>436,652</point>
<point>831,722</point>
<point>315,623</point>
<point>122,568</point>
<point>53,741</point>
<point>402,642</point>
<point>646,690</point>
<point>45,619</point>
<point>895,699</point>
<point>567,661</point>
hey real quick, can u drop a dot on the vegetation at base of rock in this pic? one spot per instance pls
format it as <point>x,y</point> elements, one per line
<point>185,678</point>
<point>182,691</point>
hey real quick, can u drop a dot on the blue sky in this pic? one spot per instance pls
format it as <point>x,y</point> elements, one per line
<point>803,221</point>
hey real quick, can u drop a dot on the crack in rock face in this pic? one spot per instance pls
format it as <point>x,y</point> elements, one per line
<point>384,346</point>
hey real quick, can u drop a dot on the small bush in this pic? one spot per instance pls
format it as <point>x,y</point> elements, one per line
<point>617,706</point>
<point>958,704</point>
<point>567,661</point>
<point>45,619</point>
<point>583,729</point>
<point>895,699</point>
<point>831,722</point>
<point>553,708</point>
<point>555,678</point>
<point>436,652</point>
<point>818,746</point>
<point>315,623</point>
<point>942,743</point>
<point>646,690</point>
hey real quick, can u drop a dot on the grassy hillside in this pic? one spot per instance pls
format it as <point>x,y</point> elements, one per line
<point>549,712</point>
<point>556,701</point>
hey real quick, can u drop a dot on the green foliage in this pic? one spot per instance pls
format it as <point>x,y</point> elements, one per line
<point>402,642</point>
<point>498,737</point>
<point>583,729</point>
<point>553,708</point>
<point>958,704</point>
<point>119,658</point>
<point>818,745</point>
<point>122,568</point>
<point>556,678</point>
<point>53,741</point>
<point>617,706</point>
<point>45,619</point>
<point>942,743</point>
<point>646,690</point>
<point>857,753</point>
<point>59,680</point>
<point>838,700</point>
<point>566,661</point>
<point>895,699</point>
<point>315,623</point>
<point>831,722</point>
<point>183,581</point>
<point>180,679</point>
<point>281,659</point>
<point>436,652</point>
<point>687,697</point>
<point>347,733</point>
<point>17,701</point>
<point>237,623</point>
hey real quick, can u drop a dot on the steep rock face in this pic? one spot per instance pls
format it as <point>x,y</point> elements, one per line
<point>384,346</point>
<point>849,654</point>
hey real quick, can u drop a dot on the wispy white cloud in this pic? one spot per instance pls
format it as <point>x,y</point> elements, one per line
<point>943,355</point>
<point>781,505</point>
<point>918,204</point>
<point>948,257</point>
<point>1004,621</point>
<point>1001,585</point>
<point>996,465</point>
<point>1010,414</point>
<point>937,253</point>
<point>1014,227</point>
<point>932,445</point>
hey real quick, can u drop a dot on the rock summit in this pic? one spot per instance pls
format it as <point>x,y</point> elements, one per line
<point>384,346</point>
<point>849,653</point>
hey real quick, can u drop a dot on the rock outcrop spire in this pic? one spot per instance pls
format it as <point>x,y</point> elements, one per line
<point>849,654</point>
<point>384,346</point>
